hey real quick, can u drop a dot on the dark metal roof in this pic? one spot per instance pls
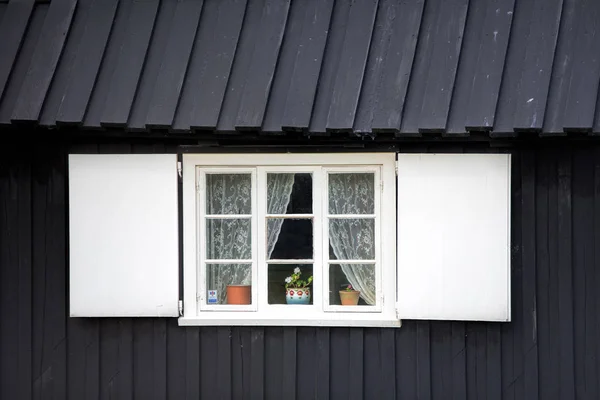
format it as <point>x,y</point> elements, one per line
<point>361,66</point>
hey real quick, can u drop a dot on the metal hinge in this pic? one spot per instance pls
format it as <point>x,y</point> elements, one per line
<point>179,169</point>
<point>396,168</point>
<point>180,307</point>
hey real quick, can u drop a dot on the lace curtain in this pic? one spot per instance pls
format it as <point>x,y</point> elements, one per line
<point>354,239</point>
<point>231,238</point>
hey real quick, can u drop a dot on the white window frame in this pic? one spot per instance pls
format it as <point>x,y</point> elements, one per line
<point>261,313</point>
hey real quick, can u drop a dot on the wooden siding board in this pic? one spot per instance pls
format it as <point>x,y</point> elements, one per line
<point>565,279</point>
<point>210,64</point>
<point>159,352</point>
<point>535,77</point>
<point>49,271</point>
<point>339,367</point>
<point>307,65</point>
<point>128,70</point>
<point>323,363</point>
<point>192,363</point>
<point>355,375</point>
<point>223,361</point>
<point>273,356</point>
<point>173,69</point>
<point>44,61</point>
<point>491,54</point>
<point>14,22</point>
<point>211,361</point>
<point>240,363</point>
<point>261,70</point>
<point>86,67</point>
<point>238,76</point>
<point>443,65</point>
<point>143,354</point>
<point>176,356</point>
<point>583,254</point>
<point>285,66</point>
<point>529,264</point>
<point>458,360</point>
<point>290,363</point>
<point>406,361</point>
<point>257,362</point>
<point>594,277</point>
<point>329,67</point>
<point>154,57</point>
<point>583,86</point>
<point>353,61</point>
<point>547,369</point>
<point>404,19</point>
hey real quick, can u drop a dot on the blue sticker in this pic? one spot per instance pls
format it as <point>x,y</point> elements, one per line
<point>212,297</point>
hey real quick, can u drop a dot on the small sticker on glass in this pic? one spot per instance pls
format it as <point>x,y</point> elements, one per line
<point>212,297</point>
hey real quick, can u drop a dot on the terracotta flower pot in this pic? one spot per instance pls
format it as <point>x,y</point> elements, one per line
<point>239,294</point>
<point>349,298</point>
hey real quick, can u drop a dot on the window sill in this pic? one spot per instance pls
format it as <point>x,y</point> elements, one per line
<point>251,319</point>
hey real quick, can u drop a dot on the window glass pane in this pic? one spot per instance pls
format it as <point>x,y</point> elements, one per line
<point>289,193</point>
<point>297,293</point>
<point>361,277</point>
<point>228,283</point>
<point>228,194</point>
<point>351,239</point>
<point>352,193</point>
<point>289,238</point>
<point>228,239</point>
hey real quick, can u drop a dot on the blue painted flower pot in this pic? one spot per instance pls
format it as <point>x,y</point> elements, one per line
<point>297,296</point>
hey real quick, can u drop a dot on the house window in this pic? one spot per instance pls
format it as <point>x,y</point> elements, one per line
<point>276,238</point>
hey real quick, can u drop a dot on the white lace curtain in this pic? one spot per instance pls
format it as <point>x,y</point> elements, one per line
<point>350,238</point>
<point>354,238</point>
<point>231,238</point>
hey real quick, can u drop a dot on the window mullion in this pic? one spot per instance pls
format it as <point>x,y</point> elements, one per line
<point>260,267</point>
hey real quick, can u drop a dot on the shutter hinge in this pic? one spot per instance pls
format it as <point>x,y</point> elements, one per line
<point>179,169</point>
<point>180,307</point>
<point>396,168</point>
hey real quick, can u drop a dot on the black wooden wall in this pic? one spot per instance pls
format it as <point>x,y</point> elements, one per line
<point>551,350</point>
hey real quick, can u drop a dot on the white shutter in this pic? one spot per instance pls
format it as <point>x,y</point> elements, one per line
<point>123,230</point>
<point>454,237</point>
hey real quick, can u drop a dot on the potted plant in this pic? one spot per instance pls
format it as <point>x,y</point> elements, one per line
<point>297,290</point>
<point>349,296</point>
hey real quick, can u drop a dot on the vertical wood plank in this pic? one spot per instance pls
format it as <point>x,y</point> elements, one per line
<point>289,360</point>
<point>339,365</point>
<point>594,306</point>
<point>494,362</point>
<point>223,362</point>
<point>210,65</point>
<point>547,351</point>
<point>353,60</point>
<point>173,68</point>
<point>528,257</point>
<point>44,61</point>
<point>211,363</point>
<point>583,273</point>
<point>491,54</point>
<point>537,65</point>
<point>128,70</point>
<point>13,25</point>
<point>307,65</point>
<point>406,359</point>
<point>192,363</point>
<point>322,370</point>
<point>565,278</point>
<point>273,374</point>
<point>176,360</point>
<point>458,362</point>
<point>87,62</point>
<point>48,305</point>
<point>585,75</point>
<point>404,19</point>
<point>240,363</point>
<point>262,67</point>
<point>257,362</point>
<point>443,65</point>
<point>356,364</point>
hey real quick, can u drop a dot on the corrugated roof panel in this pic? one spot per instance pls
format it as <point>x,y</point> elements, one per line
<point>169,82</point>
<point>130,64</point>
<point>359,66</point>
<point>42,67</point>
<point>90,51</point>
<point>14,18</point>
<point>21,65</point>
<point>210,64</point>
<point>153,59</point>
